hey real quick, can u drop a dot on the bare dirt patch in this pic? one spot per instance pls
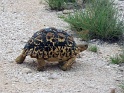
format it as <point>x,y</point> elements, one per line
<point>90,74</point>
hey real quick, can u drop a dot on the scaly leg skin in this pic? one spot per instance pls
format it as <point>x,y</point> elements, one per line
<point>20,58</point>
<point>60,64</point>
<point>68,64</point>
<point>41,64</point>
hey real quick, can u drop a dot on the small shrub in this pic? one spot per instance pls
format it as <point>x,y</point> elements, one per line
<point>117,59</point>
<point>56,4</point>
<point>93,48</point>
<point>101,18</point>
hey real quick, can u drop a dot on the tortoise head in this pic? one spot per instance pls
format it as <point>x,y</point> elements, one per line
<point>82,47</point>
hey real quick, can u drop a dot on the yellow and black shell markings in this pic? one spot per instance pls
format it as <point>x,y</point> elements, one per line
<point>50,43</point>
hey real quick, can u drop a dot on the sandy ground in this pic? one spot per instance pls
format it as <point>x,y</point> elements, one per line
<point>91,73</point>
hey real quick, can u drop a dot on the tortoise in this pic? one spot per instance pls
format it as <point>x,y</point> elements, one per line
<point>51,44</point>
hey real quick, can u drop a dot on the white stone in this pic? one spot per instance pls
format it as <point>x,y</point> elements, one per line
<point>26,70</point>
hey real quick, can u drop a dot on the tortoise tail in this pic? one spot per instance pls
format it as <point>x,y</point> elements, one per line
<point>20,58</point>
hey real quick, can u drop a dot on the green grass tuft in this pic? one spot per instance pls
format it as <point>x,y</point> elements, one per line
<point>56,4</point>
<point>93,48</point>
<point>100,18</point>
<point>117,59</point>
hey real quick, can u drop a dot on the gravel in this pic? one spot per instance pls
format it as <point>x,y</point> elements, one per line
<point>90,74</point>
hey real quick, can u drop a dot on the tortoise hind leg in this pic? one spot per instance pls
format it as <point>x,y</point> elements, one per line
<point>67,65</point>
<point>41,64</point>
<point>20,58</point>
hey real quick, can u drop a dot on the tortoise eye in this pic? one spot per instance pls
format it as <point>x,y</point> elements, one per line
<point>53,40</point>
<point>30,41</point>
<point>86,45</point>
<point>48,37</point>
<point>61,37</point>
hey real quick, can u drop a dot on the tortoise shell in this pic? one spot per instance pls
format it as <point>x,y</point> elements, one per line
<point>51,43</point>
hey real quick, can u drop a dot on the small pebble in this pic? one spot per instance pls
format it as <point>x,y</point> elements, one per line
<point>27,70</point>
<point>52,76</point>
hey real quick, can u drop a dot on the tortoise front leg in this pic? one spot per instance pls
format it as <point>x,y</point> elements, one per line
<point>67,65</point>
<point>20,58</point>
<point>61,63</point>
<point>41,64</point>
